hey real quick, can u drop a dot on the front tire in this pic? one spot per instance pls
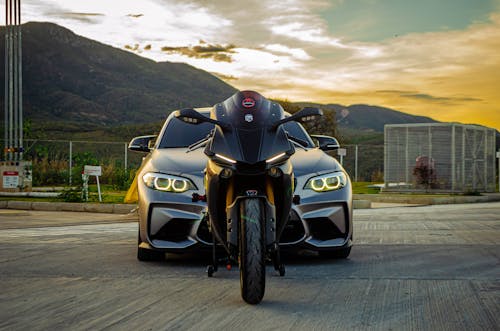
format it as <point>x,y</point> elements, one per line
<point>252,251</point>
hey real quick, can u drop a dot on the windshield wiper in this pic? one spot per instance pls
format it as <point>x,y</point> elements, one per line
<point>299,142</point>
<point>200,143</point>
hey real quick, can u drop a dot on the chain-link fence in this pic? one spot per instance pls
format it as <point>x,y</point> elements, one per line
<point>60,162</point>
<point>440,157</point>
<point>363,163</point>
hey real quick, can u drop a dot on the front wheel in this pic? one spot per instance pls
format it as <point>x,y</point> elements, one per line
<point>252,251</point>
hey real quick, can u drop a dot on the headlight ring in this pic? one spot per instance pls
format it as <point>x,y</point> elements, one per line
<point>167,183</point>
<point>327,182</point>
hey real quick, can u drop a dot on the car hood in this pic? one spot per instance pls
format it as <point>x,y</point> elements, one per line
<point>313,161</point>
<point>177,162</point>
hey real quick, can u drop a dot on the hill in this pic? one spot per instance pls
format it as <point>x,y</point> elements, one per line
<point>368,117</point>
<point>71,79</point>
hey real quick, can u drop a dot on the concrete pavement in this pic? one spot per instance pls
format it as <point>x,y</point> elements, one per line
<point>423,268</point>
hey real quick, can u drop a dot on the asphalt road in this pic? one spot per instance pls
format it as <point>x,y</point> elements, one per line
<point>412,268</point>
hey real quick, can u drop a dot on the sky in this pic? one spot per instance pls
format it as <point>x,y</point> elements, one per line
<point>437,58</point>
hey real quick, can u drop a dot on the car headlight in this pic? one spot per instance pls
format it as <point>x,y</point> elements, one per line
<point>327,182</point>
<point>167,183</point>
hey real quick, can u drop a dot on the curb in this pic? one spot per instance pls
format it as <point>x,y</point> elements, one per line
<point>361,204</point>
<point>69,206</point>
<point>360,201</point>
<point>427,200</point>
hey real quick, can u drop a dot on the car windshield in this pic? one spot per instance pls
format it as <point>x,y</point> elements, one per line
<point>296,130</point>
<point>181,134</point>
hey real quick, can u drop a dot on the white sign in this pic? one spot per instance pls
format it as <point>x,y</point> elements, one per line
<point>341,152</point>
<point>92,170</point>
<point>10,179</point>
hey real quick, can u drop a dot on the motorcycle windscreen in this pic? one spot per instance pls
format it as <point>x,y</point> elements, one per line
<point>250,146</point>
<point>251,140</point>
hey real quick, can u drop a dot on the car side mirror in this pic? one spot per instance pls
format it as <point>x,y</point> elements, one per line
<point>304,115</point>
<point>191,116</point>
<point>326,143</point>
<point>142,144</point>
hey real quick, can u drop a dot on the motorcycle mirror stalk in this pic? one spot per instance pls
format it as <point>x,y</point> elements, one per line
<point>191,116</point>
<point>307,114</point>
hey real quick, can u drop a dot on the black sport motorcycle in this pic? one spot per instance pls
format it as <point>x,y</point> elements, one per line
<point>249,182</point>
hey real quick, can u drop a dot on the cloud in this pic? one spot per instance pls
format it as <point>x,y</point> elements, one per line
<point>216,52</point>
<point>297,53</point>
<point>289,49</point>
<point>428,97</point>
<point>224,77</point>
<point>134,48</point>
<point>82,17</point>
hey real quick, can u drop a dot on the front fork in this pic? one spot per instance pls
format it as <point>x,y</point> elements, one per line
<point>232,235</point>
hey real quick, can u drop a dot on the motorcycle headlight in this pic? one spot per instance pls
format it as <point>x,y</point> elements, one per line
<point>327,182</point>
<point>167,183</point>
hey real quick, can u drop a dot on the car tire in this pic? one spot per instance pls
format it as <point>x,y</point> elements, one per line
<point>146,255</point>
<point>336,254</point>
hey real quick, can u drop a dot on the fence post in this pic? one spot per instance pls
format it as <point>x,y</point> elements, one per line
<point>126,156</point>
<point>70,161</point>
<point>356,165</point>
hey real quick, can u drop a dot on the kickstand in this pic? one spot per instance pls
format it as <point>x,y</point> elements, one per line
<point>211,268</point>
<point>278,266</point>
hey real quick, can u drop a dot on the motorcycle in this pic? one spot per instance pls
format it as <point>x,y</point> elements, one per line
<point>249,183</point>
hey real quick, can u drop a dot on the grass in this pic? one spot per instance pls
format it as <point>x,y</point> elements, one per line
<point>108,195</point>
<point>362,188</point>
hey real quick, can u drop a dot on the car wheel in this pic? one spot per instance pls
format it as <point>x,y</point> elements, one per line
<point>336,254</point>
<point>144,254</point>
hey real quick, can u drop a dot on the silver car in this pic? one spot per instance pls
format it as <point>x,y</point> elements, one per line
<point>173,218</point>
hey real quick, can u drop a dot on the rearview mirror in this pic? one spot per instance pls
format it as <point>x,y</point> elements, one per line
<point>326,143</point>
<point>307,114</point>
<point>191,116</point>
<point>142,143</point>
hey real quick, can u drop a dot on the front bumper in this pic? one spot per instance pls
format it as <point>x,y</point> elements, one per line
<point>179,227</point>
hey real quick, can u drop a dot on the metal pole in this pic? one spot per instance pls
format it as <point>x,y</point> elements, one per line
<point>463,158</point>
<point>14,82</point>
<point>126,156</point>
<point>407,158</point>
<point>498,156</point>
<point>10,81</point>
<point>453,159</point>
<point>6,101</point>
<point>356,165</point>
<point>485,158</point>
<point>70,161</point>
<point>20,85</point>
<point>386,157</point>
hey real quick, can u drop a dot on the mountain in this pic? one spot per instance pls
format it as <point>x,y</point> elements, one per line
<point>69,78</point>
<point>369,118</point>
